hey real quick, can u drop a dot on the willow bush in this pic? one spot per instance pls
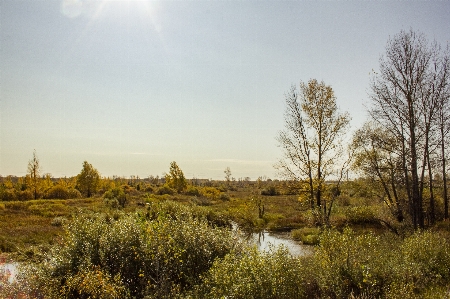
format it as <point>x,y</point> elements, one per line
<point>151,255</point>
<point>256,275</point>
<point>343,265</point>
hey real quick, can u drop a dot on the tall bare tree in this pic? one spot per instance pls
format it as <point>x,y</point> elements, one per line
<point>405,102</point>
<point>311,140</point>
<point>441,90</point>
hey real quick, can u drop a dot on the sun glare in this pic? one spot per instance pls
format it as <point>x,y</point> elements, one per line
<point>95,9</point>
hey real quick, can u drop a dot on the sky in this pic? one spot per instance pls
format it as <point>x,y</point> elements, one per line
<point>130,86</point>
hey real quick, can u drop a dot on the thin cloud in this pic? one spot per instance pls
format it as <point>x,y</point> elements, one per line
<point>238,161</point>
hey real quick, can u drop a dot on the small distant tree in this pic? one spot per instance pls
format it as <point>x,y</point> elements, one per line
<point>88,181</point>
<point>34,169</point>
<point>175,179</point>
<point>228,175</point>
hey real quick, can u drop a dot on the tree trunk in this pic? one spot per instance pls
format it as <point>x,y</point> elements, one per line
<point>444,173</point>
<point>432,205</point>
<point>418,219</point>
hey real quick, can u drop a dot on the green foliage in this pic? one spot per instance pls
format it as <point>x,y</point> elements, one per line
<point>25,195</point>
<point>381,266</point>
<point>153,255</point>
<point>115,197</point>
<point>61,192</point>
<point>361,215</point>
<point>175,179</point>
<point>165,189</point>
<point>192,191</point>
<point>8,194</point>
<point>308,235</point>
<point>224,196</point>
<point>94,284</point>
<point>254,274</point>
<point>344,265</point>
<point>269,191</point>
<point>210,192</point>
<point>425,260</point>
<point>349,263</point>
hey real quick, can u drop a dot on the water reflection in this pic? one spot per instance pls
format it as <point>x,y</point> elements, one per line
<point>265,240</point>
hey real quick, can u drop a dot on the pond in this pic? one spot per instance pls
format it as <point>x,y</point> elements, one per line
<point>8,272</point>
<point>264,240</point>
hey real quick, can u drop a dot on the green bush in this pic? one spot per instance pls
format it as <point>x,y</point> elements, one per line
<point>94,284</point>
<point>308,235</point>
<point>8,195</point>
<point>210,192</point>
<point>133,256</point>
<point>165,190</point>
<point>25,195</point>
<point>347,263</point>
<point>59,221</point>
<point>269,191</point>
<point>256,275</point>
<point>148,188</point>
<point>192,191</point>
<point>57,192</point>
<point>381,266</point>
<point>361,215</point>
<point>425,260</point>
<point>224,197</point>
<point>74,193</point>
<point>115,197</point>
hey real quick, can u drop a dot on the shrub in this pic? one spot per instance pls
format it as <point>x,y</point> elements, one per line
<point>74,193</point>
<point>131,256</point>
<point>381,266</point>
<point>94,284</point>
<point>347,263</point>
<point>115,197</point>
<point>192,191</point>
<point>257,275</point>
<point>425,260</point>
<point>224,197</point>
<point>6,246</point>
<point>25,195</point>
<point>269,191</point>
<point>8,195</point>
<point>165,190</point>
<point>201,201</point>
<point>308,235</point>
<point>59,221</point>
<point>148,188</point>
<point>222,188</point>
<point>210,192</point>
<point>361,215</point>
<point>57,192</point>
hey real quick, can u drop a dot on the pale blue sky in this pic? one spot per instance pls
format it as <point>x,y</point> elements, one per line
<point>130,86</point>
